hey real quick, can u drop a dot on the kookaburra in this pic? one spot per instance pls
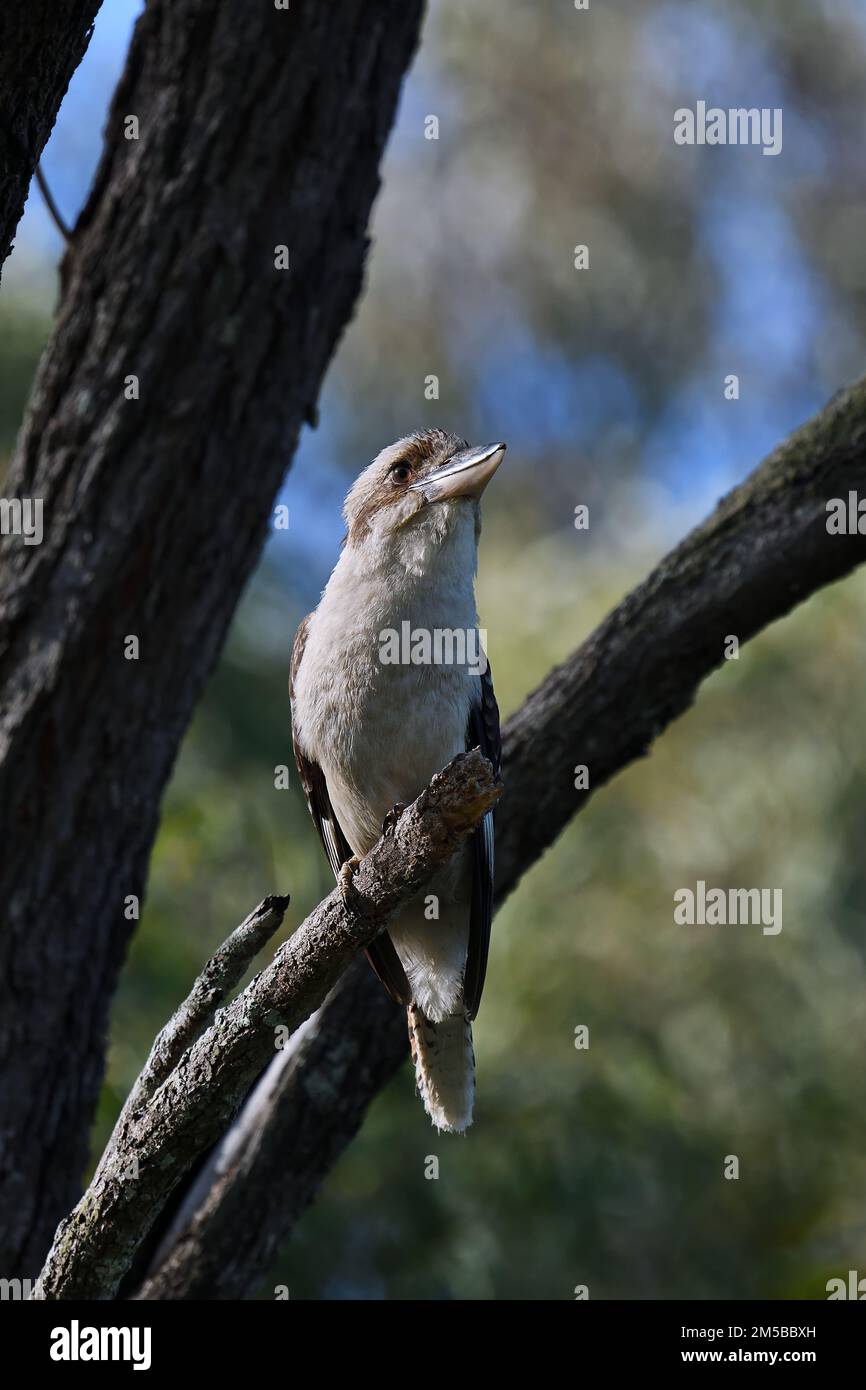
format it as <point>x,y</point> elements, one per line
<point>370,732</point>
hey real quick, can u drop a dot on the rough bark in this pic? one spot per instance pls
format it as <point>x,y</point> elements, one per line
<point>305,1110</point>
<point>41,44</point>
<point>764,549</point>
<point>255,131</point>
<point>158,1141</point>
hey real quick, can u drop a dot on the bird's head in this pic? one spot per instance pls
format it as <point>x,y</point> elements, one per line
<point>418,492</point>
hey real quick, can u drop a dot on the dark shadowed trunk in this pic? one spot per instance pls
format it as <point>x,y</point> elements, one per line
<point>164,415</point>
<point>41,44</point>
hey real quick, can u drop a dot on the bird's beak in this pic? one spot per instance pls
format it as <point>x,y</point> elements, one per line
<point>464,475</point>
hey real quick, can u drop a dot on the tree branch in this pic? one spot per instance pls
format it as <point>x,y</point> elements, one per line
<point>53,210</point>
<point>303,1113</point>
<point>764,549</point>
<point>156,1146</point>
<point>223,971</point>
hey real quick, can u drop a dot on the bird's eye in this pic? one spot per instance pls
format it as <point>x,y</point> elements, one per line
<point>401,473</point>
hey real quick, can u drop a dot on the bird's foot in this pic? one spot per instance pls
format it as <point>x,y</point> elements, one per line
<point>346,881</point>
<point>392,818</point>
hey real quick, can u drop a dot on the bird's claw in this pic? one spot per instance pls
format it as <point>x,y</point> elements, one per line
<point>392,817</point>
<point>346,881</point>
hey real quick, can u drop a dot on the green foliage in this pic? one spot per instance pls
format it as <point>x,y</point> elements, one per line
<point>24,331</point>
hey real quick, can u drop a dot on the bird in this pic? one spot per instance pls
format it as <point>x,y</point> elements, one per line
<point>369,731</point>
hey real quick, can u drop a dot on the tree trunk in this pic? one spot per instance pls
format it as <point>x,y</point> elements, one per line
<point>41,44</point>
<point>164,414</point>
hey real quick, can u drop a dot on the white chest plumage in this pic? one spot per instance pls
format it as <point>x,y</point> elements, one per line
<point>379,729</point>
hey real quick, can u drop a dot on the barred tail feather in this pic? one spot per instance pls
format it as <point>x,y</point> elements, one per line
<point>444,1067</point>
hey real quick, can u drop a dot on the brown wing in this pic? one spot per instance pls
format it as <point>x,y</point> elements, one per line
<point>381,953</point>
<point>482,732</point>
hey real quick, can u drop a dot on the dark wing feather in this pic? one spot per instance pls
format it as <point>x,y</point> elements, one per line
<point>482,732</point>
<point>381,953</point>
